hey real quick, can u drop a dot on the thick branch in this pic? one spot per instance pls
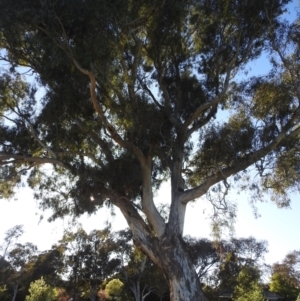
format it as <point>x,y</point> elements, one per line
<point>149,208</point>
<point>201,123</point>
<point>242,163</point>
<point>109,127</point>
<point>208,104</point>
<point>142,235</point>
<point>112,131</point>
<point>17,158</point>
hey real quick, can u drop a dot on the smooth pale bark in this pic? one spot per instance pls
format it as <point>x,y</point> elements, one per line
<point>178,269</point>
<point>148,206</point>
<point>16,289</point>
<point>168,252</point>
<point>136,290</point>
<point>172,258</point>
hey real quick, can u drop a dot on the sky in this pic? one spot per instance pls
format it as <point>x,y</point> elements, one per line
<point>280,227</point>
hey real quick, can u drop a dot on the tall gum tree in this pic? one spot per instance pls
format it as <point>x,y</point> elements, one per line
<point>127,85</point>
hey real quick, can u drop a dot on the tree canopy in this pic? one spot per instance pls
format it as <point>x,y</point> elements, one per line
<point>285,278</point>
<point>133,92</point>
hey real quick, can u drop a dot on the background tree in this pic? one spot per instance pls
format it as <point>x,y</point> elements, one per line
<point>11,237</point>
<point>39,290</point>
<point>18,271</point>
<point>89,260</point>
<point>205,256</point>
<point>228,266</point>
<point>49,265</point>
<point>248,287</point>
<point>15,263</point>
<point>137,272</point>
<point>285,278</point>
<point>114,290</point>
<point>128,85</point>
<point>4,275</point>
<point>3,293</point>
<point>237,255</point>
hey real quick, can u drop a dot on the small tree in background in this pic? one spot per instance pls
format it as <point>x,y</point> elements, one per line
<point>39,290</point>
<point>114,289</point>
<point>285,278</point>
<point>248,287</point>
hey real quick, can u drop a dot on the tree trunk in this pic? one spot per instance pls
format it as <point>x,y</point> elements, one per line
<point>178,269</point>
<point>15,288</point>
<point>136,291</point>
<point>167,251</point>
<point>93,292</point>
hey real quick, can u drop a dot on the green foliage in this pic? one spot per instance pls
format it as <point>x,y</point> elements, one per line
<point>39,290</point>
<point>114,289</point>
<point>16,264</point>
<point>88,259</point>
<point>285,279</point>
<point>126,88</point>
<point>4,293</point>
<point>2,289</point>
<point>248,287</point>
<point>167,42</point>
<point>281,286</point>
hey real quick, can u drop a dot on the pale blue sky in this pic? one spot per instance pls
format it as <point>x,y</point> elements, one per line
<point>280,227</point>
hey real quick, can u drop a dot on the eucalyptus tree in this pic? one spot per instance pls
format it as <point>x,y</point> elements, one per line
<point>248,287</point>
<point>17,270</point>
<point>39,290</point>
<point>15,263</point>
<point>285,278</point>
<point>128,86</point>
<point>49,265</point>
<point>229,265</point>
<point>88,260</point>
<point>10,238</point>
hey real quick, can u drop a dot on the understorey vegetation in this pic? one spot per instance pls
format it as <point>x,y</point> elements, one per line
<point>104,265</point>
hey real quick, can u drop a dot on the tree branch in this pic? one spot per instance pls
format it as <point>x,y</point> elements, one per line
<point>208,104</point>
<point>17,158</point>
<point>144,86</point>
<point>39,141</point>
<point>241,163</point>
<point>149,208</point>
<point>142,235</point>
<point>102,144</point>
<point>201,123</point>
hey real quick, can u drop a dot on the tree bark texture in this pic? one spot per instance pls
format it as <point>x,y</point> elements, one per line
<point>167,251</point>
<point>179,271</point>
